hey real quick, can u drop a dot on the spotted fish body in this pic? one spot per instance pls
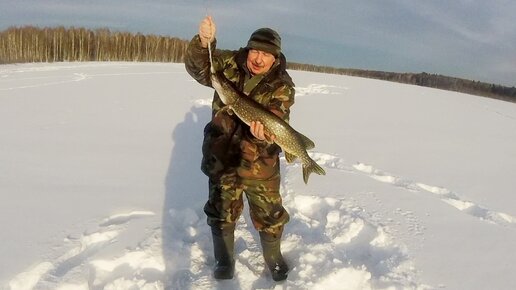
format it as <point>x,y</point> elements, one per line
<point>293,143</point>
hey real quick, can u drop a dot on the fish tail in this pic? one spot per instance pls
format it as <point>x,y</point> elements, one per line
<point>312,167</point>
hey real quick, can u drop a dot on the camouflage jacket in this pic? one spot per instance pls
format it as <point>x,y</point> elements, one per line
<point>228,144</point>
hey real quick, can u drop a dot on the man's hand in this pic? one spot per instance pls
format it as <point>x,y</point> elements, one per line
<point>207,31</point>
<point>259,133</point>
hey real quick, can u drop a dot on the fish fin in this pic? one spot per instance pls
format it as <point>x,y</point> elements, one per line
<point>312,167</point>
<point>225,109</point>
<point>309,144</point>
<point>269,138</point>
<point>290,157</point>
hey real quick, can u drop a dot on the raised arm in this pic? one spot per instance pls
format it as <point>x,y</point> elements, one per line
<point>197,61</point>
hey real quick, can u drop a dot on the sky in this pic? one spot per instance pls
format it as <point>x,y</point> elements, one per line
<point>100,185</point>
<point>470,39</point>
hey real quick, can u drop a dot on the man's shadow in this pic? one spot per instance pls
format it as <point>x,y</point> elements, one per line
<point>186,191</point>
<point>183,219</point>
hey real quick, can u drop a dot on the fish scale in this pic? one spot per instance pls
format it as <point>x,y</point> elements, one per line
<point>293,143</point>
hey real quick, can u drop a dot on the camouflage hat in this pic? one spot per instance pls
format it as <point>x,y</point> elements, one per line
<point>265,39</point>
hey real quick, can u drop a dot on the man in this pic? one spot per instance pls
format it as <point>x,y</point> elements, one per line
<point>238,158</point>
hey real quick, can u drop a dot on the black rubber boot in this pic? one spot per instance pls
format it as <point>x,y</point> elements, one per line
<point>271,245</point>
<point>223,246</point>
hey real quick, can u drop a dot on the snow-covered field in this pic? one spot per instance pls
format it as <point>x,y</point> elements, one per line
<point>100,186</point>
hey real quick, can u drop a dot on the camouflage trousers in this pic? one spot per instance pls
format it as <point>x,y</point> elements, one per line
<point>225,203</point>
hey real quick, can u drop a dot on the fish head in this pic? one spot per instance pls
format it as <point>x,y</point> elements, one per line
<point>217,85</point>
<point>224,88</point>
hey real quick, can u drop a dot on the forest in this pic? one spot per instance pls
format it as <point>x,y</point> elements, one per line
<point>60,44</point>
<point>32,44</point>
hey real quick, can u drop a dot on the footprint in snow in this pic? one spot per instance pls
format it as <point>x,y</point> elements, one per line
<point>445,195</point>
<point>74,269</point>
<point>326,241</point>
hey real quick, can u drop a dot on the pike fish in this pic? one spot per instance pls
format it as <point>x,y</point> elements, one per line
<point>293,143</point>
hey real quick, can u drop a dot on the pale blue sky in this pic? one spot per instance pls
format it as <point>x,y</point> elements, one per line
<point>473,39</point>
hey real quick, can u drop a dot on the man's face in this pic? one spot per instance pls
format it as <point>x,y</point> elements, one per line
<point>259,62</point>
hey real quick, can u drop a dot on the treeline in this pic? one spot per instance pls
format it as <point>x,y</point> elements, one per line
<point>32,44</point>
<point>422,79</point>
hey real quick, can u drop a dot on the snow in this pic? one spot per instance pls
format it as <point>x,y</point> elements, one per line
<point>100,186</point>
